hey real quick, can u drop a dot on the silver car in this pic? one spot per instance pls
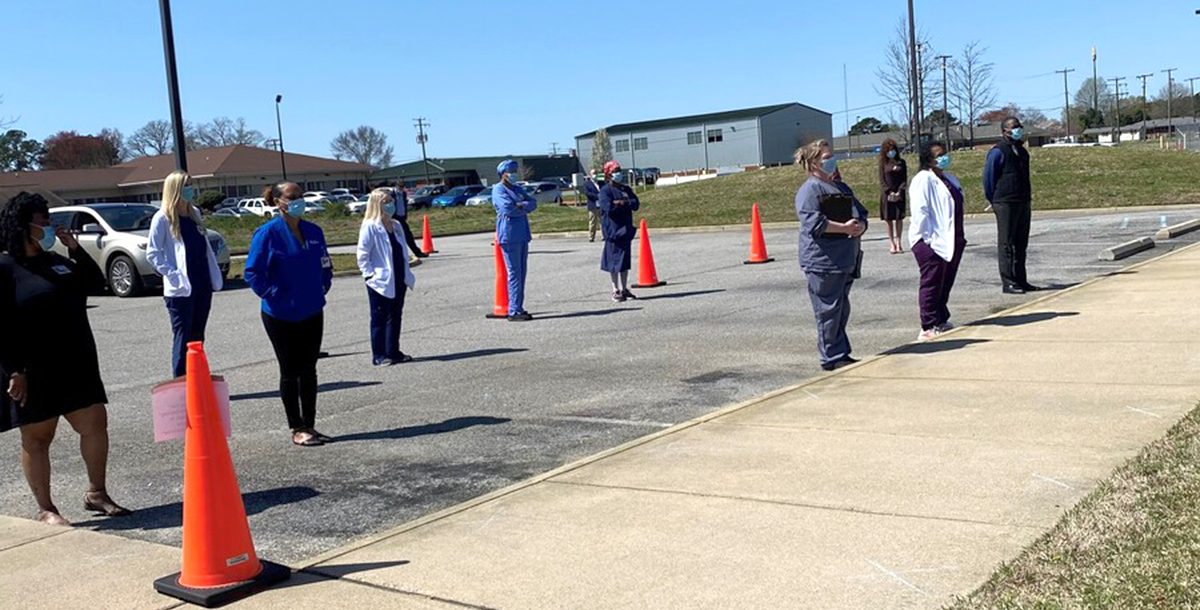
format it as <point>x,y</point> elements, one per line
<point>116,235</point>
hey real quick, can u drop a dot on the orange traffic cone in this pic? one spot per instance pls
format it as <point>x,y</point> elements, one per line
<point>647,274</point>
<point>500,308</point>
<point>426,236</point>
<point>758,247</point>
<point>219,562</point>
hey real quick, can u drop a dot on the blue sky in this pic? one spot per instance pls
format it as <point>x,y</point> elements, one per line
<point>495,78</point>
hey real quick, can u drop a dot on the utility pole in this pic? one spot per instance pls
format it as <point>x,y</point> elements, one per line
<point>1170,94</point>
<point>1066,100</point>
<point>921,86</point>
<point>168,36</point>
<point>1192,81</point>
<point>1095,85</point>
<point>1145,101</point>
<point>421,124</point>
<point>554,148</point>
<point>945,104</point>
<point>915,123</point>
<point>1117,98</point>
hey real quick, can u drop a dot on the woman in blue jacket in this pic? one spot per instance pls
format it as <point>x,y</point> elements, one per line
<point>618,203</point>
<point>179,251</point>
<point>290,270</point>
<point>513,206</point>
<point>383,260</point>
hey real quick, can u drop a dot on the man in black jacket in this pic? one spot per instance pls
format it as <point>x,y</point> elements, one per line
<point>1007,188</point>
<point>401,198</point>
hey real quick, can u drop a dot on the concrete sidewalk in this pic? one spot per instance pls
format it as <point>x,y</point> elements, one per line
<point>896,483</point>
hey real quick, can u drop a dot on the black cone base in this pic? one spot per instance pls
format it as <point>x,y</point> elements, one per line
<point>769,260</point>
<point>661,283</point>
<point>271,574</point>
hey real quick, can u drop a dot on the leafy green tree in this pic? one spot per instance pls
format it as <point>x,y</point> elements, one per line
<point>601,150</point>
<point>209,199</point>
<point>868,125</point>
<point>18,153</point>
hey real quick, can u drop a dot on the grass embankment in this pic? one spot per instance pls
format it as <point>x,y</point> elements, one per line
<point>1063,178</point>
<point>1133,543</point>
<point>342,264</point>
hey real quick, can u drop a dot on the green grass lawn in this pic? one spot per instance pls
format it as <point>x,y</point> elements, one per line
<point>1133,543</point>
<point>342,264</point>
<point>1063,178</point>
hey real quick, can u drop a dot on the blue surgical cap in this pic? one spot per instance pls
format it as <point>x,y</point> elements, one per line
<point>508,165</point>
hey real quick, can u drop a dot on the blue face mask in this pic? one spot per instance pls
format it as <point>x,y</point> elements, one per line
<point>891,154</point>
<point>829,166</point>
<point>295,208</point>
<point>619,177</point>
<point>188,194</point>
<point>511,177</point>
<point>942,162</point>
<point>389,208</point>
<point>48,238</point>
<point>1018,133</point>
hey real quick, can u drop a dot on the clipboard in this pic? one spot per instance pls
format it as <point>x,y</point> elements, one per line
<point>837,207</point>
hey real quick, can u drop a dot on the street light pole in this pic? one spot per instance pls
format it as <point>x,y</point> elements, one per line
<point>1192,81</point>
<point>279,128</point>
<point>915,123</point>
<point>945,105</point>
<point>1066,100</point>
<point>168,36</point>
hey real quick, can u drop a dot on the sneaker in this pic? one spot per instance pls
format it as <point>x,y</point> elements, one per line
<point>414,261</point>
<point>629,295</point>
<point>618,296</point>
<point>944,327</point>
<point>383,362</point>
<point>928,335</point>
<point>520,317</point>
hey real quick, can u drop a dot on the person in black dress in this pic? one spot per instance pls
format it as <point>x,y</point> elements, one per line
<point>617,204</point>
<point>893,178</point>
<point>47,351</point>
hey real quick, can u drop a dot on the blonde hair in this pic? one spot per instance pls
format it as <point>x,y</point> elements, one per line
<point>374,212</point>
<point>810,154</point>
<point>172,194</point>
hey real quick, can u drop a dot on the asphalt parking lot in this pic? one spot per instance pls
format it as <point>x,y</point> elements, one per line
<point>488,403</point>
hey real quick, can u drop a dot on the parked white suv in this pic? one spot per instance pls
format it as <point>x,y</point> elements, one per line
<point>258,206</point>
<point>115,235</point>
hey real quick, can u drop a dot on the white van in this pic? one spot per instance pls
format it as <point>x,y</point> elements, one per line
<point>258,206</point>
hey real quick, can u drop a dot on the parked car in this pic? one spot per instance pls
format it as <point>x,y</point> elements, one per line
<point>456,196</point>
<point>258,206</point>
<point>563,183</point>
<point>651,175</point>
<point>544,192</point>
<point>423,197</point>
<point>484,197</point>
<point>231,213</point>
<point>315,196</point>
<point>359,205</point>
<point>335,193</point>
<point>228,202</point>
<point>116,235</point>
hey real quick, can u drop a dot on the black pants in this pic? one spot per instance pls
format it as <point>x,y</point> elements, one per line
<point>189,319</point>
<point>296,347</point>
<point>1012,239</point>
<point>408,235</point>
<point>386,316</point>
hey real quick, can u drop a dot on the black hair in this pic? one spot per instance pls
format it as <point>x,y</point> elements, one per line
<point>1010,122</point>
<point>927,159</point>
<point>15,219</point>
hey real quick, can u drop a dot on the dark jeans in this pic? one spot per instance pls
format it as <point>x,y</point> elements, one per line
<point>937,279</point>
<point>189,319</point>
<point>296,347</point>
<point>516,262</point>
<point>1012,239</point>
<point>408,235</point>
<point>830,295</point>
<point>386,316</point>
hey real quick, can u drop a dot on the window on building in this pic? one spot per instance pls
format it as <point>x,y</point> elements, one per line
<point>621,146</point>
<point>640,144</point>
<point>695,138</point>
<point>714,135</point>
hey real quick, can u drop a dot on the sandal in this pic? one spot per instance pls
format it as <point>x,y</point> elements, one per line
<point>103,504</point>
<point>324,438</point>
<point>305,439</point>
<point>51,517</point>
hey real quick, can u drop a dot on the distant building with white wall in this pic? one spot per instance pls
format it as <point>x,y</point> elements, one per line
<point>750,137</point>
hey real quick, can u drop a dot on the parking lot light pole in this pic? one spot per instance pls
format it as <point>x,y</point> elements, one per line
<point>168,35</point>
<point>279,128</point>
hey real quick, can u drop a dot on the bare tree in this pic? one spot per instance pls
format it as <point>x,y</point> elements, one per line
<point>223,131</point>
<point>363,144</point>
<point>153,138</point>
<point>972,78</point>
<point>5,123</point>
<point>114,137</point>
<point>894,77</point>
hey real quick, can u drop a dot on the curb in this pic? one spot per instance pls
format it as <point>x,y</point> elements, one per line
<point>1176,230</point>
<point>311,565</point>
<point>1126,249</point>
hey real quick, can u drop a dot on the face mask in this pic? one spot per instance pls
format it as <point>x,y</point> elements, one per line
<point>188,194</point>
<point>48,238</point>
<point>942,162</point>
<point>891,154</point>
<point>389,209</point>
<point>829,166</point>
<point>295,208</point>
<point>1018,133</point>
<point>619,177</point>
<point>511,177</point>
